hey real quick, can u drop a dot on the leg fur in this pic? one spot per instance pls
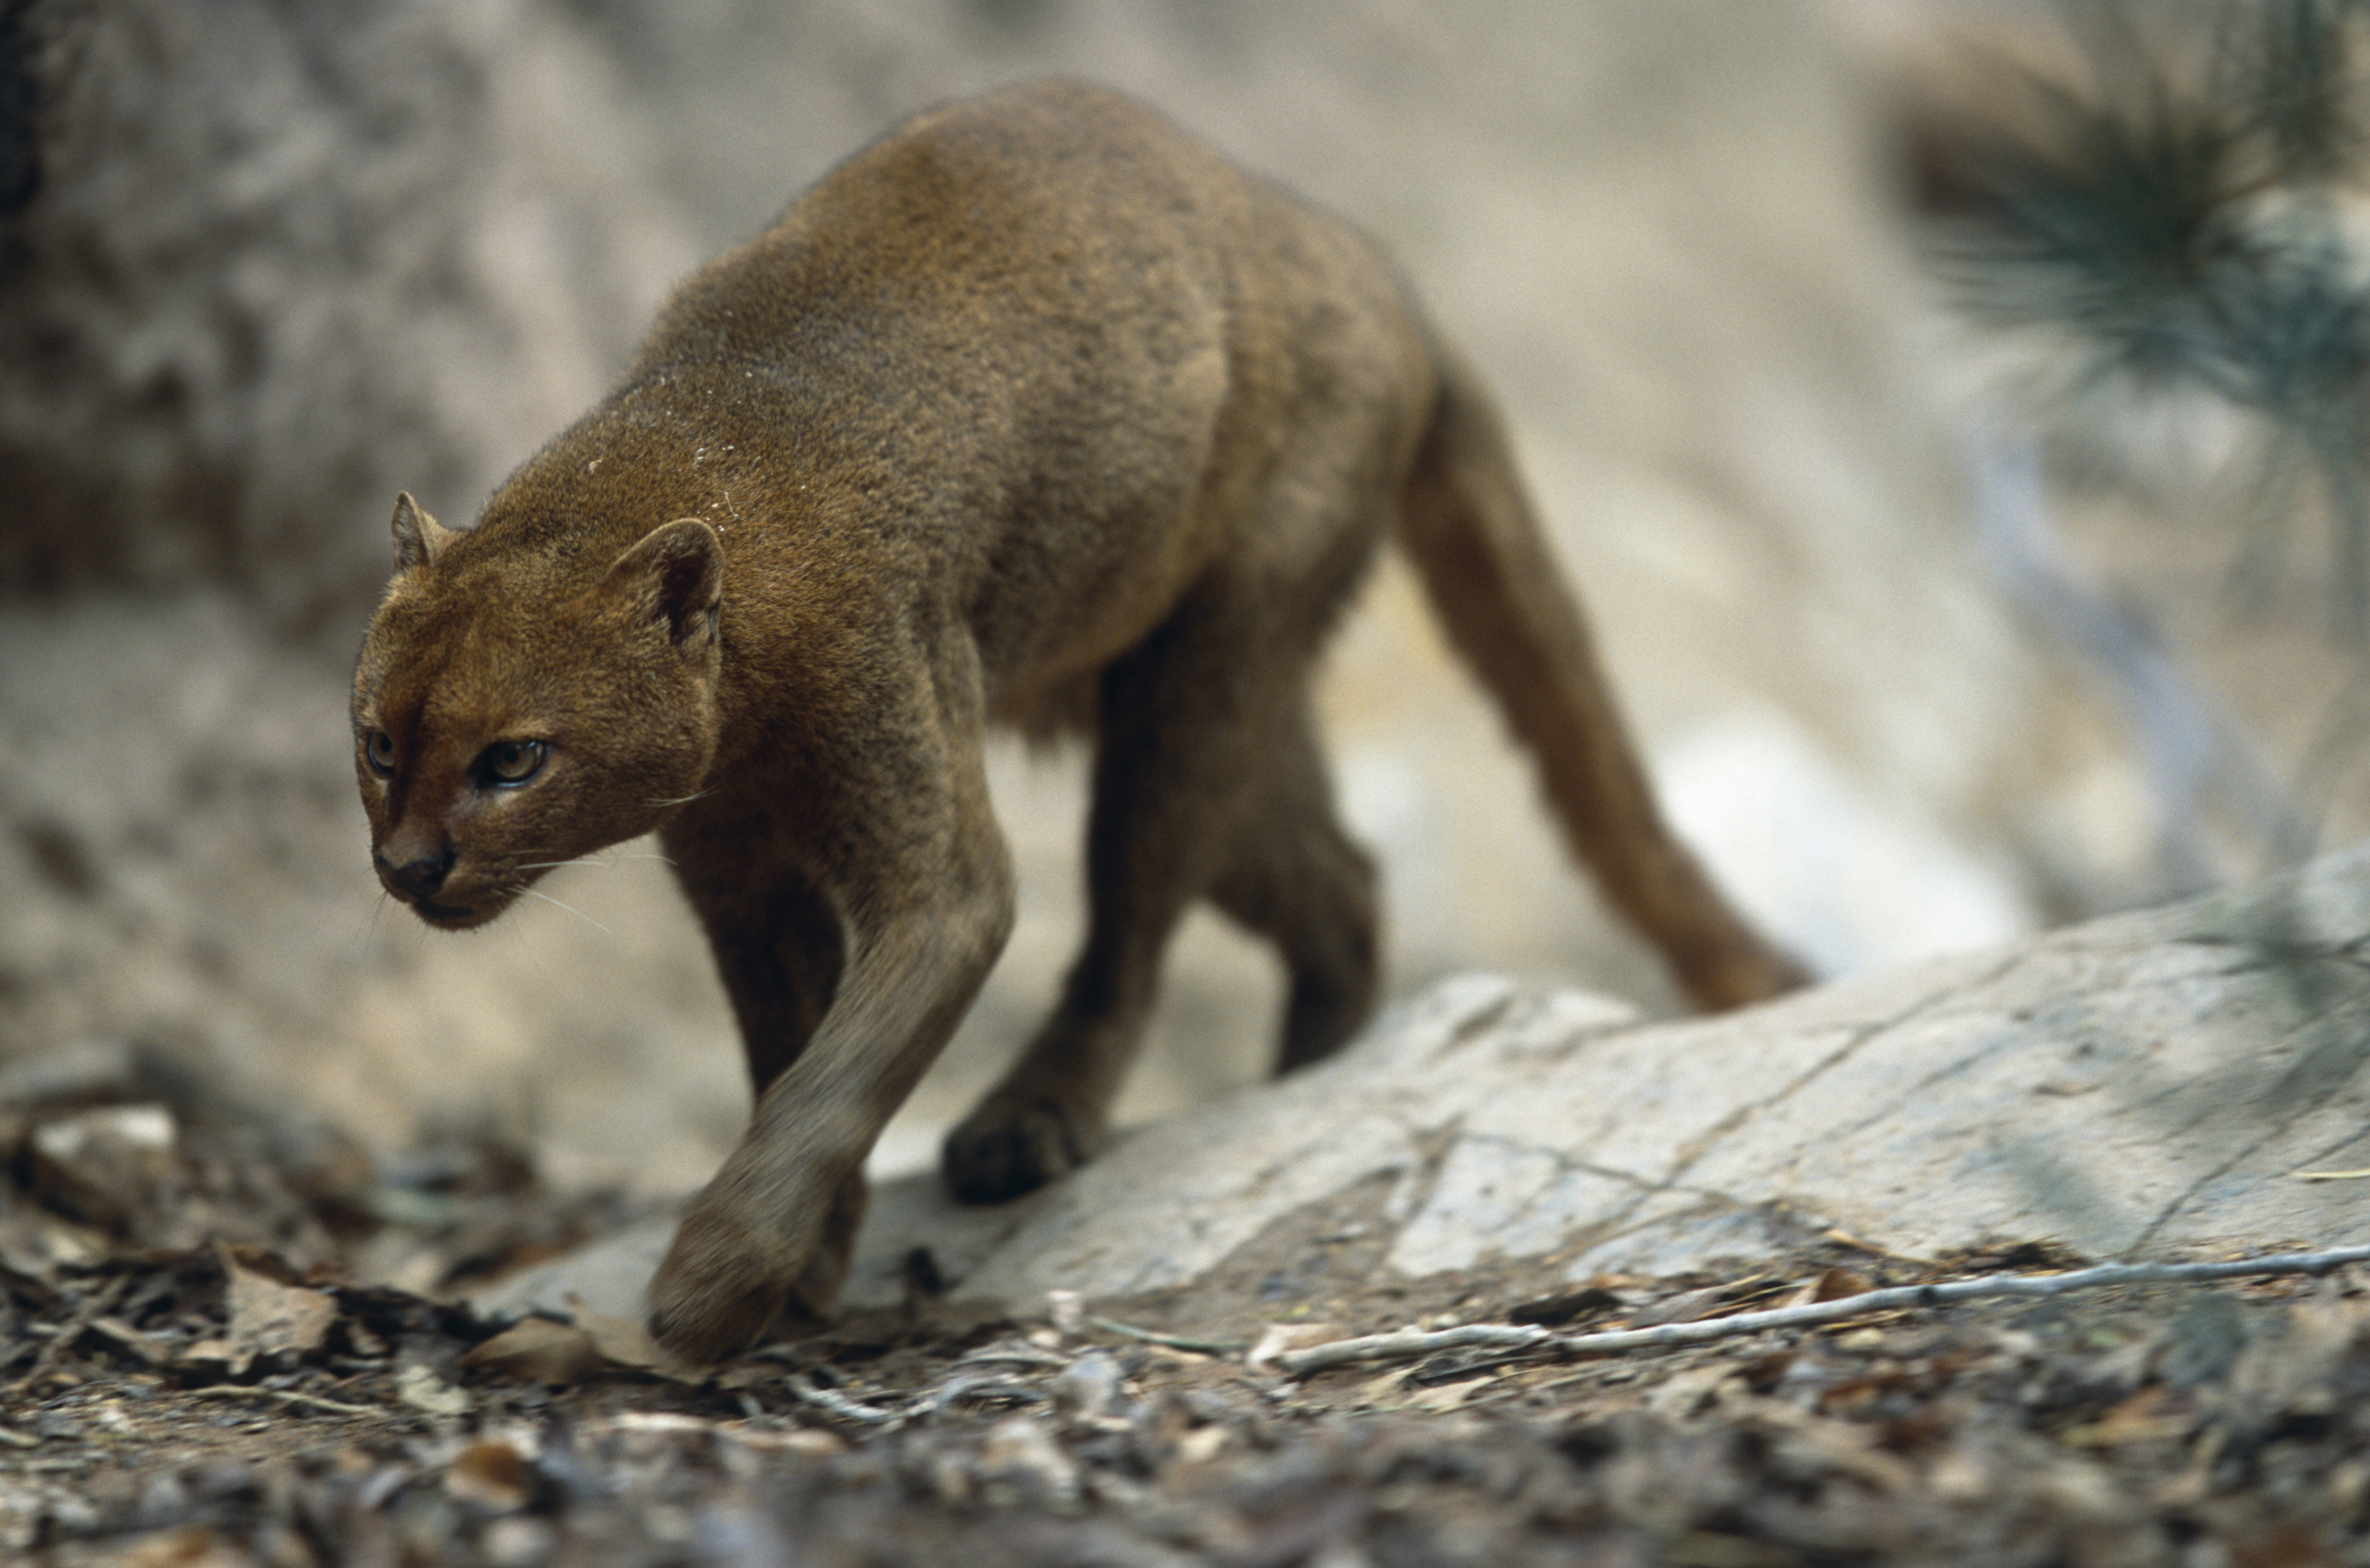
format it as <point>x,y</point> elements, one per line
<point>1168,763</point>
<point>777,949</point>
<point>925,901</point>
<point>1194,724</point>
<point>1293,875</point>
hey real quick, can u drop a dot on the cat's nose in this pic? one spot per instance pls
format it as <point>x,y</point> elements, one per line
<point>419,877</point>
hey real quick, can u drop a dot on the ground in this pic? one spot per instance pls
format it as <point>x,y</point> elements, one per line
<point>244,1401</point>
<point>1663,234</point>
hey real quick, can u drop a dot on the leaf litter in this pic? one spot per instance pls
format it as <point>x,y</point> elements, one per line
<point>203,1362</point>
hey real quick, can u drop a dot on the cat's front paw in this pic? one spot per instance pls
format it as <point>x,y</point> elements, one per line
<point>720,1288</point>
<point>1001,1151</point>
<point>740,1267</point>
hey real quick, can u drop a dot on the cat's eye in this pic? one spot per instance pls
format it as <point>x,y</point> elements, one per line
<point>513,762</point>
<point>378,750</point>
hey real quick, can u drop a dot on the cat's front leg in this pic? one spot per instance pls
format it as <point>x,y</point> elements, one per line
<point>913,865</point>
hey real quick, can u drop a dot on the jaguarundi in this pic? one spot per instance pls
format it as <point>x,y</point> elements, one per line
<point>1036,411</point>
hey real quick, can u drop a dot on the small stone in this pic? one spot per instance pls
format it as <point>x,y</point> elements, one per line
<point>1202,1445</point>
<point>1277,1338</point>
<point>422,1390</point>
<point>1089,1387</point>
<point>1020,1450</point>
<point>515,1542</point>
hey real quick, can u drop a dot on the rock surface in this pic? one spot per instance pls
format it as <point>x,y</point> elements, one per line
<point>2151,1084</point>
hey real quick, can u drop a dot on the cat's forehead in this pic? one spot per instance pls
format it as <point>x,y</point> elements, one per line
<point>465,657</point>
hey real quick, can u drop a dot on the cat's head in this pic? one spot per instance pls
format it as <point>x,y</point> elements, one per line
<point>510,715</point>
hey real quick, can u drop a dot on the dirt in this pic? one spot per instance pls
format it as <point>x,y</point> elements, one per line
<point>170,1401</point>
<point>1655,231</point>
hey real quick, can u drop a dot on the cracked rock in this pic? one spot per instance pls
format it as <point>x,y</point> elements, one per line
<point>2148,1085</point>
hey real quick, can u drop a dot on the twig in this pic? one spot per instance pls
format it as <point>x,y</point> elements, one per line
<point>98,1304</point>
<point>840,1404</point>
<point>1170,1341</point>
<point>1012,1354</point>
<point>294,1400</point>
<point>965,1386</point>
<point>1408,1345</point>
<point>1411,1345</point>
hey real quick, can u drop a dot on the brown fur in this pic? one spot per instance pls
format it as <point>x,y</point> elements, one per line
<point>1035,411</point>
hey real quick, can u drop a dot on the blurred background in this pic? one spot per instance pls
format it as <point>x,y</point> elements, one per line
<point>1929,651</point>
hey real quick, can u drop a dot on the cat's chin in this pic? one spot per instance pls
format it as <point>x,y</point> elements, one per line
<point>457,917</point>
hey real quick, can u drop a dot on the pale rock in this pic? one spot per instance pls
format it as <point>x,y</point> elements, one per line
<point>2137,1087</point>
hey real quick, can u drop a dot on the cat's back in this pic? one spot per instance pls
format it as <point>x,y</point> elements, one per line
<point>977,229</point>
<point>1037,348</point>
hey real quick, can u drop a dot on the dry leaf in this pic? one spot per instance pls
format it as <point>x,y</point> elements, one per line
<point>269,1319</point>
<point>1844,1446</point>
<point>622,1340</point>
<point>2152,1414</point>
<point>627,1343</point>
<point>492,1474</point>
<point>210,1353</point>
<point>1684,1307</point>
<point>1835,1284</point>
<point>545,1350</point>
<point>540,1351</point>
<point>1450,1396</point>
<point>1679,1396</point>
<point>189,1547</point>
<point>805,1442</point>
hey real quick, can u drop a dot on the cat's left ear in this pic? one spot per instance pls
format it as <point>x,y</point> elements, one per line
<point>677,572</point>
<point>417,536</point>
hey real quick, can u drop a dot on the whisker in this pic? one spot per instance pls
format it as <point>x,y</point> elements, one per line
<point>369,922</point>
<point>525,949</point>
<point>684,800</point>
<point>571,909</point>
<point>595,858</point>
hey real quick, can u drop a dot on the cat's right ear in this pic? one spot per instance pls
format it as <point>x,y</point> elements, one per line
<point>418,537</point>
<point>676,573</point>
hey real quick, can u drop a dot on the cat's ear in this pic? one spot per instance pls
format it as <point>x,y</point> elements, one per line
<point>677,573</point>
<point>418,537</point>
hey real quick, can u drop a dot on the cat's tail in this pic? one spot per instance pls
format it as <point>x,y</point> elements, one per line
<point>1469,528</point>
